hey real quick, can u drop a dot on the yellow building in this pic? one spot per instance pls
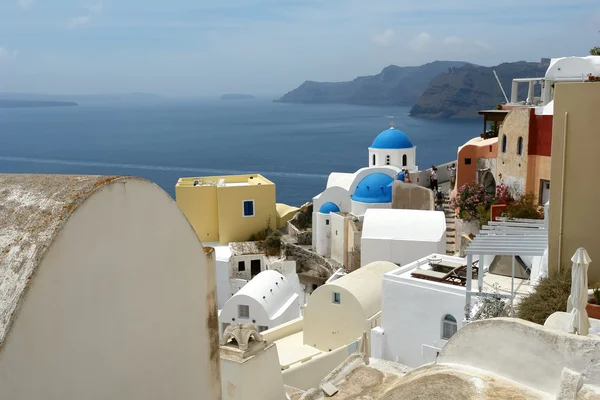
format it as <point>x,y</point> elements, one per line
<point>574,213</point>
<point>227,208</point>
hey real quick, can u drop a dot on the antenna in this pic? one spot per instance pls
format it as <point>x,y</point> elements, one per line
<point>392,122</point>
<point>501,88</point>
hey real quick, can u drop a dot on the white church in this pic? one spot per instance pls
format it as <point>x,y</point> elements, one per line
<point>339,211</point>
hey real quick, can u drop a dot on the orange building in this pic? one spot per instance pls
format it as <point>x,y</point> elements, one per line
<point>476,162</point>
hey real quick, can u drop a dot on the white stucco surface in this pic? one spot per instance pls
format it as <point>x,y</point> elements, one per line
<point>524,352</point>
<point>402,236</point>
<point>413,311</point>
<point>271,298</point>
<point>122,304</point>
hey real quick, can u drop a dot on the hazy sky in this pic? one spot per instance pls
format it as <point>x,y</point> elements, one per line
<point>199,47</point>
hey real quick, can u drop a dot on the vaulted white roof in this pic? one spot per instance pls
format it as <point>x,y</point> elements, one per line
<point>273,291</point>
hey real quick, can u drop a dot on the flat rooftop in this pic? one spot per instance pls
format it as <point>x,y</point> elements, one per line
<point>224,181</point>
<point>490,281</point>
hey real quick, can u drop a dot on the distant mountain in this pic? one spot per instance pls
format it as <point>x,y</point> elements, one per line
<point>400,86</point>
<point>237,96</point>
<point>100,98</point>
<point>28,103</point>
<point>461,92</point>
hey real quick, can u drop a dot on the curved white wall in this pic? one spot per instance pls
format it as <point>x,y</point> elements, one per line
<point>359,208</point>
<point>123,306</point>
<point>396,158</point>
<point>336,195</point>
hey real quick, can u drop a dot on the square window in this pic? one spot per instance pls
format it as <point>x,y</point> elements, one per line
<point>262,328</point>
<point>336,298</point>
<point>241,266</point>
<point>467,161</point>
<point>326,222</point>
<point>248,208</point>
<point>243,311</point>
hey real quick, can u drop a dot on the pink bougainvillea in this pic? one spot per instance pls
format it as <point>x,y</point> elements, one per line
<point>468,197</point>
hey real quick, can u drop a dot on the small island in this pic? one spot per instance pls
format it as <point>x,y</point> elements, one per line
<point>35,103</point>
<point>237,96</point>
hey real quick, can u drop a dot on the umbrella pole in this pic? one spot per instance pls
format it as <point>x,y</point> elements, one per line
<point>512,287</point>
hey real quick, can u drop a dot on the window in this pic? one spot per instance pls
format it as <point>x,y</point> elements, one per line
<point>387,160</point>
<point>326,222</point>
<point>449,327</point>
<point>243,311</point>
<point>262,328</point>
<point>248,208</point>
<point>467,161</point>
<point>373,159</point>
<point>404,160</point>
<point>504,143</point>
<point>314,287</point>
<point>520,145</point>
<point>241,266</point>
<point>337,298</point>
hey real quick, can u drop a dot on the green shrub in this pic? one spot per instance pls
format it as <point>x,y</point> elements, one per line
<point>550,296</point>
<point>304,218</point>
<point>524,208</point>
<point>272,244</point>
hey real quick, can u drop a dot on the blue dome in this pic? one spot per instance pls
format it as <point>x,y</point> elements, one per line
<point>329,207</point>
<point>374,188</point>
<point>392,139</point>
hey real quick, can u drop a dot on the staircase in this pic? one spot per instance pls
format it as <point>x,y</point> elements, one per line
<point>450,227</point>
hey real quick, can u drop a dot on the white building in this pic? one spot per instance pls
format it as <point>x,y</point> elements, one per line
<point>267,301</point>
<point>369,187</point>
<point>402,236</point>
<point>423,306</point>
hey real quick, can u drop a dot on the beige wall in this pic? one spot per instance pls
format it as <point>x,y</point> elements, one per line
<point>510,164</point>
<point>327,325</point>
<point>539,168</point>
<point>309,374</point>
<point>579,208</point>
<point>256,377</point>
<point>409,196</point>
<point>123,307</point>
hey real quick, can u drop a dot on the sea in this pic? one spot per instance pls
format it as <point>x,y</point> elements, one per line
<point>294,145</point>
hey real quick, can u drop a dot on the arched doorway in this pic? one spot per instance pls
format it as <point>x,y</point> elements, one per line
<point>489,183</point>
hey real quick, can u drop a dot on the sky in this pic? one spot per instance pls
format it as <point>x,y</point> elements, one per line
<point>268,47</point>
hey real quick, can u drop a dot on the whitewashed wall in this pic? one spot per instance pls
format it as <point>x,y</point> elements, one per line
<point>339,237</point>
<point>395,157</point>
<point>412,314</point>
<point>398,251</point>
<point>322,239</point>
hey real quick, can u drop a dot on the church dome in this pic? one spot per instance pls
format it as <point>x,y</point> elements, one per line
<point>328,208</point>
<point>392,138</point>
<point>374,188</point>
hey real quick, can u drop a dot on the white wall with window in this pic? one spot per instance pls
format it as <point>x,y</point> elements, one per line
<point>418,316</point>
<point>247,266</point>
<point>267,301</point>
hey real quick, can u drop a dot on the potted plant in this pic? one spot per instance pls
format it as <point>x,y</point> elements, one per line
<point>593,307</point>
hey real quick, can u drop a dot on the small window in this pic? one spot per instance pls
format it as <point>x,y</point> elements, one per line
<point>326,222</point>
<point>373,159</point>
<point>520,145</point>
<point>241,266</point>
<point>467,161</point>
<point>387,160</point>
<point>262,328</point>
<point>248,208</point>
<point>404,161</point>
<point>449,327</point>
<point>504,143</point>
<point>337,298</point>
<point>243,311</point>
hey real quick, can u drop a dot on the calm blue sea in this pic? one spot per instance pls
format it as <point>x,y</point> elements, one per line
<point>294,145</point>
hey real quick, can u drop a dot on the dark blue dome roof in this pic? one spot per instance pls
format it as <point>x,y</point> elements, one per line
<point>374,188</point>
<point>329,207</point>
<point>392,139</point>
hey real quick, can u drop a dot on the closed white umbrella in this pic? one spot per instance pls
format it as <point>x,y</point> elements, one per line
<point>578,318</point>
